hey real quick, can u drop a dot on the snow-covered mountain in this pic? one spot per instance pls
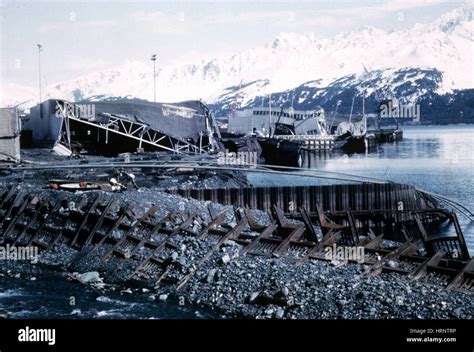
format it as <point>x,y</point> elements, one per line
<point>435,57</point>
<point>411,86</point>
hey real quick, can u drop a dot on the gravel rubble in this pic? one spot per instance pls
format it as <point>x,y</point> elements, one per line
<point>247,286</point>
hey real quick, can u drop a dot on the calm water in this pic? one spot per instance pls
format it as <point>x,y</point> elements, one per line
<point>438,159</point>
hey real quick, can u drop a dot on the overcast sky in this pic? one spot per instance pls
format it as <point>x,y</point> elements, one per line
<point>79,37</point>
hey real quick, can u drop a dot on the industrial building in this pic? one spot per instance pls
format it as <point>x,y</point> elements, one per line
<point>9,135</point>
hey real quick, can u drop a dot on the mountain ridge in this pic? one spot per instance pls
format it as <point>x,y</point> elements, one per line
<point>294,59</point>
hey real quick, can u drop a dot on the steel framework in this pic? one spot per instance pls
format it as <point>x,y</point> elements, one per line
<point>138,131</point>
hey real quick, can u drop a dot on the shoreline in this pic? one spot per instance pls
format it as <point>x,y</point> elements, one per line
<point>255,287</point>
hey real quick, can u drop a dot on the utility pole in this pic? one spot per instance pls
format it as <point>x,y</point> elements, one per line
<point>153,58</point>
<point>40,49</point>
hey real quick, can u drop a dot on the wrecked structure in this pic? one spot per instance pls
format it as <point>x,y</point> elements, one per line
<point>178,234</point>
<point>126,125</point>
<point>105,229</point>
<point>145,235</point>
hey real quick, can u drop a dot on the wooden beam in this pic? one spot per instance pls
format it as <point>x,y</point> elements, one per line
<point>462,243</point>
<point>420,271</point>
<point>99,222</point>
<point>149,213</point>
<point>376,268</point>
<point>85,219</point>
<point>265,233</point>
<point>310,232</point>
<point>331,237</point>
<point>45,219</point>
<point>35,216</point>
<point>294,236</point>
<point>459,278</point>
<point>375,243</point>
<point>214,223</point>
<point>352,226</point>
<point>19,196</point>
<point>18,214</point>
<point>279,216</point>
<point>326,225</point>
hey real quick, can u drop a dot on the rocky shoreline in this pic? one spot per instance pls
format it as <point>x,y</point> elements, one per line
<point>246,286</point>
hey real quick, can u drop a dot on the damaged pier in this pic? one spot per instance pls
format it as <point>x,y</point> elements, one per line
<point>145,246</point>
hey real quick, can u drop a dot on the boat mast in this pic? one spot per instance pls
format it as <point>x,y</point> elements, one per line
<point>363,110</point>
<point>363,104</point>
<point>270,115</point>
<point>352,107</point>
<point>236,104</point>
<point>377,96</point>
<point>334,114</point>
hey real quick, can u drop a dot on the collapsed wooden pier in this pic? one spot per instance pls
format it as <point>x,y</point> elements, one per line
<point>300,234</point>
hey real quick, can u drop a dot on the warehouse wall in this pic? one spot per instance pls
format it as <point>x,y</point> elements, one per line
<point>45,125</point>
<point>9,135</point>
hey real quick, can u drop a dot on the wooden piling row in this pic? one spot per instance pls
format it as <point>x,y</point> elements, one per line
<point>88,224</point>
<point>339,197</point>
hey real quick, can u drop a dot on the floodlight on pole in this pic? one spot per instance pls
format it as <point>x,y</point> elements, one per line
<point>40,49</point>
<point>153,58</point>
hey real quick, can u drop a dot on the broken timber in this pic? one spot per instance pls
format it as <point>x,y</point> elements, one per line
<point>87,224</point>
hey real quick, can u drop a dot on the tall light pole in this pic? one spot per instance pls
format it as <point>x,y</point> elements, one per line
<point>153,58</point>
<point>40,49</point>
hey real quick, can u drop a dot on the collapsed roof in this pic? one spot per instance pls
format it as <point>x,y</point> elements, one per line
<point>184,119</point>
